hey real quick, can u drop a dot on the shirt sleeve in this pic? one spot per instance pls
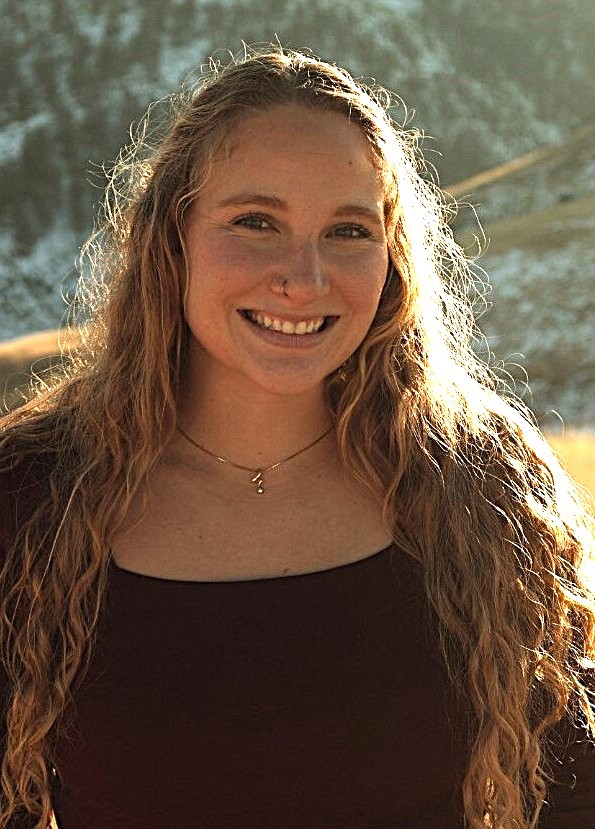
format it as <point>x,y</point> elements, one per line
<point>24,820</point>
<point>570,801</point>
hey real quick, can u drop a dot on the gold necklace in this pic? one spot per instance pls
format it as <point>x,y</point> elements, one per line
<point>257,475</point>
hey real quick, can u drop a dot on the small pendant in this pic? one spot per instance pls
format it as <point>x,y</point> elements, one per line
<point>259,481</point>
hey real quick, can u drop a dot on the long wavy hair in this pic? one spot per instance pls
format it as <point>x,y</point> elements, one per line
<point>469,486</point>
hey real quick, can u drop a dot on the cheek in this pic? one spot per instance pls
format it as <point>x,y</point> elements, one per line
<point>363,287</point>
<point>210,280</point>
<point>229,268</point>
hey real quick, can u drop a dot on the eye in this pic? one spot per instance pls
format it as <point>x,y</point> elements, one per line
<point>253,221</point>
<point>351,231</point>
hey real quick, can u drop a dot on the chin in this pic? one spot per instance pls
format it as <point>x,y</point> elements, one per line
<point>284,387</point>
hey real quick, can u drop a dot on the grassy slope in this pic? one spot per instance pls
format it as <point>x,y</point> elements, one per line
<point>540,201</point>
<point>34,353</point>
<point>543,230</point>
<point>577,146</point>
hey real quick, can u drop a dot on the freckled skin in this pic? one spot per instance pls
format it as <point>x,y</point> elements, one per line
<point>313,164</point>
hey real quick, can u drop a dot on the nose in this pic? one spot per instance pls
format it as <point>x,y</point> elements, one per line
<point>301,274</point>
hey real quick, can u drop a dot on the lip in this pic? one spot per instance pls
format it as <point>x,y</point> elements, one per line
<point>290,340</point>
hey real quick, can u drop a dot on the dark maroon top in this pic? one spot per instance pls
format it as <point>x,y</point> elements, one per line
<point>299,702</point>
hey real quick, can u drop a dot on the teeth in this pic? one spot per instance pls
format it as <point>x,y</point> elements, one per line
<point>286,327</point>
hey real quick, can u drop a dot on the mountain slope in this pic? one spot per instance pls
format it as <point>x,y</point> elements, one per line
<point>538,217</point>
<point>490,86</point>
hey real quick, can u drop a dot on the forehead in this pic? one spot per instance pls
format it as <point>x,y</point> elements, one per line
<point>293,147</point>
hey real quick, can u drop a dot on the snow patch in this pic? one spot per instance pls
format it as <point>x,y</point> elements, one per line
<point>12,136</point>
<point>34,286</point>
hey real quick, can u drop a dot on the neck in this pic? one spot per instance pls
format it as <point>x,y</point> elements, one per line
<point>252,427</point>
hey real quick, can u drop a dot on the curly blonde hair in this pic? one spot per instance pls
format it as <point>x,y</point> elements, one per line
<point>468,484</point>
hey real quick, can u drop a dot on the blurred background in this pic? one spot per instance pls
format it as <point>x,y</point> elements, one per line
<point>502,90</point>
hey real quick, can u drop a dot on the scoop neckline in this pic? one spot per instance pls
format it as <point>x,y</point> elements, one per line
<point>134,574</point>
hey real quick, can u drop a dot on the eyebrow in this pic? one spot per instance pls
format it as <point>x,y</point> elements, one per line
<point>355,209</point>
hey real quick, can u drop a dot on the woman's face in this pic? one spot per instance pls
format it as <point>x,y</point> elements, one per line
<point>287,252</point>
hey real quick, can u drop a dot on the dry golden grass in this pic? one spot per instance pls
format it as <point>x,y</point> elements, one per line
<point>542,230</point>
<point>34,353</point>
<point>577,451</point>
<point>572,147</point>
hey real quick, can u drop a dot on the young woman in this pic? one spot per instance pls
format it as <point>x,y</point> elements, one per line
<point>276,551</point>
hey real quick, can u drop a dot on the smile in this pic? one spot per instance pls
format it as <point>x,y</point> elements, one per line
<point>300,327</point>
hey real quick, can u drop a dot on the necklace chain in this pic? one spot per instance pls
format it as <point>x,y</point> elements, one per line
<point>257,475</point>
